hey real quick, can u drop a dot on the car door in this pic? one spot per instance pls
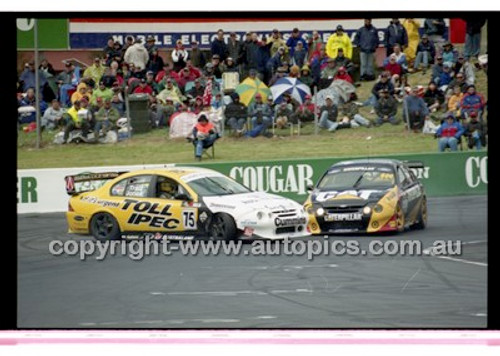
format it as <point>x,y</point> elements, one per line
<point>410,191</point>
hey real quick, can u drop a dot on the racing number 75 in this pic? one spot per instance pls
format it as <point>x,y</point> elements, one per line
<point>188,219</point>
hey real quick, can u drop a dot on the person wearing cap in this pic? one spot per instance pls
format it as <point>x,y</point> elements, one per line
<point>276,61</point>
<point>236,114</point>
<point>349,114</point>
<point>75,121</point>
<point>197,57</point>
<point>383,83</point>
<point>473,26</point>
<point>343,75</point>
<point>179,56</point>
<point>426,52</point>
<point>293,40</point>
<point>171,91</point>
<point>342,61</point>
<point>305,112</point>
<point>137,55</point>
<point>475,132</point>
<point>143,88</point>
<point>283,111</point>
<point>204,134</point>
<point>386,108</point>
<point>234,46</point>
<point>261,115</point>
<point>437,68</point>
<point>395,33</point>
<point>229,66</point>
<point>116,54</point>
<point>218,46</point>
<point>306,76</point>
<point>150,43</point>
<point>276,43</point>
<point>106,118</point>
<point>101,92</point>
<point>329,72</point>
<point>328,115</point>
<point>150,81</point>
<point>337,40</point>
<point>472,101</point>
<point>433,97</point>
<point>316,43</point>
<point>445,77</point>
<point>197,90</point>
<point>217,66</point>
<point>299,55</point>
<point>51,118</point>
<point>280,72</point>
<point>449,133</point>
<point>466,68</point>
<point>450,54</point>
<point>27,77</point>
<point>415,110</point>
<point>367,40</point>
<point>155,63</point>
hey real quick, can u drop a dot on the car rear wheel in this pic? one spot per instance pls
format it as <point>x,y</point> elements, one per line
<point>223,227</point>
<point>104,227</point>
<point>400,218</point>
<point>422,216</point>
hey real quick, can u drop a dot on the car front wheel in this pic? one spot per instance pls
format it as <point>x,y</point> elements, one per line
<point>223,227</point>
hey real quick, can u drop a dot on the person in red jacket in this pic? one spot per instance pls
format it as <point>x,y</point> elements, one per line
<point>343,75</point>
<point>143,88</point>
<point>204,135</point>
<point>393,66</point>
<point>449,133</point>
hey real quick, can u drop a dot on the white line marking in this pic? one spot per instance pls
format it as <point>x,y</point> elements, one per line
<point>429,251</point>
<point>265,317</point>
<point>408,282</point>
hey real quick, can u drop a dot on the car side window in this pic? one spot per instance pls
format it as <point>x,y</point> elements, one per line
<point>138,186</point>
<point>166,188</point>
<point>402,177</point>
<point>119,188</point>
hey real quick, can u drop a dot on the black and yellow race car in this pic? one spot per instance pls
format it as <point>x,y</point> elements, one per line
<point>368,195</point>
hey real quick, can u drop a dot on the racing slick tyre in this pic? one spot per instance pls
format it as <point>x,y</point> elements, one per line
<point>104,227</point>
<point>400,218</point>
<point>223,227</point>
<point>422,216</point>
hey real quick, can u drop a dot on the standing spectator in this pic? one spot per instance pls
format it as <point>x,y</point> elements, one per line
<point>204,135</point>
<point>276,43</point>
<point>150,44</point>
<point>155,63</point>
<point>219,46</point>
<point>395,33</point>
<point>328,115</point>
<point>433,97</point>
<point>449,134</point>
<point>179,56</point>
<point>415,110</point>
<point>95,71</point>
<point>236,114</point>
<point>317,42</point>
<point>437,69</point>
<point>75,122</point>
<point>106,118</point>
<point>129,41</point>
<point>473,37</point>
<point>475,132</point>
<point>472,101</point>
<point>343,75</point>
<point>293,40</point>
<point>367,40</point>
<point>234,47</point>
<point>393,66</point>
<point>260,114</point>
<point>28,77</point>
<point>299,55</point>
<point>350,116</point>
<point>411,26</point>
<point>337,40</point>
<point>137,55</point>
<point>450,55</point>
<point>434,29</point>
<point>425,54</point>
<point>318,63</point>
<point>108,50</point>
<point>116,54</point>
<point>47,69</point>
<point>305,112</point>
<point>197,57</point>
<point>52,116</point>
<point>386,108</point>
<point>252,53</point>
<point>465,67</point>
<point>275,61</point>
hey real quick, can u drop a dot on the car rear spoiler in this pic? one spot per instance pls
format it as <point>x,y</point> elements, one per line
<point>414,164</point>
<point>88,181</point>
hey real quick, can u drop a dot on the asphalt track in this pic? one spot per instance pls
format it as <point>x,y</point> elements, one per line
<point>280,291</point>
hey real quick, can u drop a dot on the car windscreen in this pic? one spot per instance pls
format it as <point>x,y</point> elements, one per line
<point>217,185</point>
<point>357,177</point>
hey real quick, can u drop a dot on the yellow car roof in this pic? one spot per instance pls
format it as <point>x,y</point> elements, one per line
<point>174,172</point>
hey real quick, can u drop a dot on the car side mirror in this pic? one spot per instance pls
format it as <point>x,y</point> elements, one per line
<point>309,188</point>
<point>182,196</point>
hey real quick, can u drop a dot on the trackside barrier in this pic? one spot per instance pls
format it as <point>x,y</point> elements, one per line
<point>444,174</point>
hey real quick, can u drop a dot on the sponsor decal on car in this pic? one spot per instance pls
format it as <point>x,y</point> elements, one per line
<point>281,222</point>
<point>344,217</point>
<point>104,203</point>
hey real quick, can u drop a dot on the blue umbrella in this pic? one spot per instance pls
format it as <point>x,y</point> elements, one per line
<point>292,86</point>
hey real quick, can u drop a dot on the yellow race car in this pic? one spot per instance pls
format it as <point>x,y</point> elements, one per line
<point>177,203</point>
<point>370,195</point>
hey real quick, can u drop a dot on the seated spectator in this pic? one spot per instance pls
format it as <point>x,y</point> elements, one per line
<point>81,92</point>
<point>106,118</point>
<point>401,86</point>
<point>425,54</point>
<point>208,71</point>
<point>416,111</point>
<point>118,104</point>
<point>445,78</point>
<point>197,89</point>
<point>450,55</point>
<point>392,66</point>
<point>52,117</point>
<point>449,133</point>
<point>453,104</point>
<point>342,61</point>
<point>465,68</point>
<point>475,132</point>
<point>283,113</point>
<point>236,114</point>
<point>95,71</point>
<point>230,66</point>
<point>260,115</point>
<point>458,81</point>
<point>349,116</point>
<point>170,91</point>
<point>110,75</point>
<point>155,63</point>
<point>400,58</point>
<point>294,71</point>
<point>185,76</point>
<point>437,69</point>
<point>165,111</point>
<point>143,88</point>
<point>328,73</point>
<point>101,92</point>
<point>86,113</point>
<point>217,102</point>
<point>125,72</point>
<point>114,54</point>
<point>306,77</point>
<point>472,101</point>
<point>386,108</point>
<point>162,75</point>
<point>217,66</point>
<point>198,105</point>
<point>204,135</point>
<point>328,115</point>
<point>343,75</point>
<point>318,63</point>
<point>433,97</point>
<point>299,55</point>
<point>150,81</point>
<point>305,112</point>
<point>75,122</point>
<point>47,69</point>
<point>29,100</point>
<point>280,73</point>
<point>382,83</point>
<point>68,81</point>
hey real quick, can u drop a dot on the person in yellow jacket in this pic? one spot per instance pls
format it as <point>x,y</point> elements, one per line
<point>74,121</point>
<point>95,71</point>
<point>81,92</point>
<point>411,26</point>
<point>339,39</point>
